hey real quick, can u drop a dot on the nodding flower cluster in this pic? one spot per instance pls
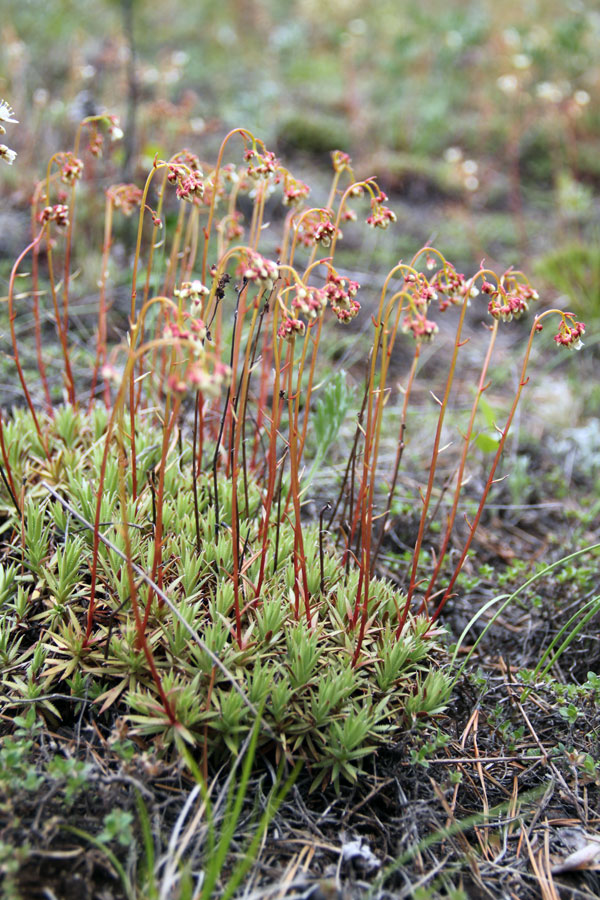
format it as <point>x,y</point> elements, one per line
<point>197,377</point>
<point>294,191</point>
<point>340,161</point>
<point>420,327</point>
<point>510,302</point>
<point>231,226</point>
<point>192,291</point>
<point>71,168</point>
<point>312,229</point>
<point>309,301</point>
<point>58,214</point>
<point>447,286</point>
<point>126,197</point>
<point>324,233</point>
<point>185,172</point>
<point>260,271</point>
<point>381,215</point>
<point>194,330</point>
<point>341,294</point>
<point>7,115</point>
<point>291,328</point>
<point>451,286</point>
<point>262,166</point>
<point>569,333</point>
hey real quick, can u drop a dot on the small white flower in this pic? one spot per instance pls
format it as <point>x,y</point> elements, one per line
<point>7,154</point>
<point>453,154</point>
<point>521,61</point>
<point>508,84</point>
<point>547,90</point>
<point>7,113</point>
<point>581,98</point>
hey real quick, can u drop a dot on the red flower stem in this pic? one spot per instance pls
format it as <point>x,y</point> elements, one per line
<point>481,387</point>
<point>435,453</point>
<point>13,336</point>
<point>490,481</point>
<point>133,596</point>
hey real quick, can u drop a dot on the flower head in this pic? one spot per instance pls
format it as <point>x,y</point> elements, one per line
<point>290,328</point>
<point>381,215</point>
<point>7,113</point>
<point>341,294</point>
<point>126,197</point>
<point>422,329</point>
<point>58,213</point>
<point>569,333</point>
<point>260,271</point>
<point>309,301</point>
<point>7,154</point>
<point>193,291</point>
<point>262,165</point>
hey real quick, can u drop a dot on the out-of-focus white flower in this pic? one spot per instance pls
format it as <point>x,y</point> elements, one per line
<point>454,40</point>
<point>7,114</point>
<point>469,167</point>
<point>511,37</point>
<point>7,154</point>
<point>508,84</point>
<point>453,154</point>
<point>40,96</point>
<point>179,58</point>
<point>547,90</point>
<point>471,182</point>
<point>581,98</point>
<point>521,61</point>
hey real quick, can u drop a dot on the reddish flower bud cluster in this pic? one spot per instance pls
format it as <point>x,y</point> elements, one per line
<point>197,377</point>
<point>71,168</point>
<point>381,215</point>
<point>452,287</point>
<point>313,230</point>
<point>341,295</point>
<point>294,191</point>
<point>262,165</point>
<point>126,197</point>
<point>58,214</point>
<point>193,331</point>
<point>260,271</point>
<point>309,301</point>
<point>421,328</point>
<point>340,161</point>
<point>191,188</point>
<point>569,333</point>
<point>187,176</point>
<point>324,233</point>
<point>96,143</point>
<point>510,302</point>
<point>291,328</point>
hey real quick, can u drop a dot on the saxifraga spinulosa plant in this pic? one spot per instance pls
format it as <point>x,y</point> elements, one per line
<point>158,559</point>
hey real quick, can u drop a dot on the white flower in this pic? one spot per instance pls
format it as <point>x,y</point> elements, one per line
<point>6,113</point>
<point>453,154</point>
<point>521,61</point>
<point>7,154</point>
<point>508,84</point>
<point>547,90</point>
<point>581,98</point>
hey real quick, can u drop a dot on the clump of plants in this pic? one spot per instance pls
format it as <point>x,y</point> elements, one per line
<point>158,560</point>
